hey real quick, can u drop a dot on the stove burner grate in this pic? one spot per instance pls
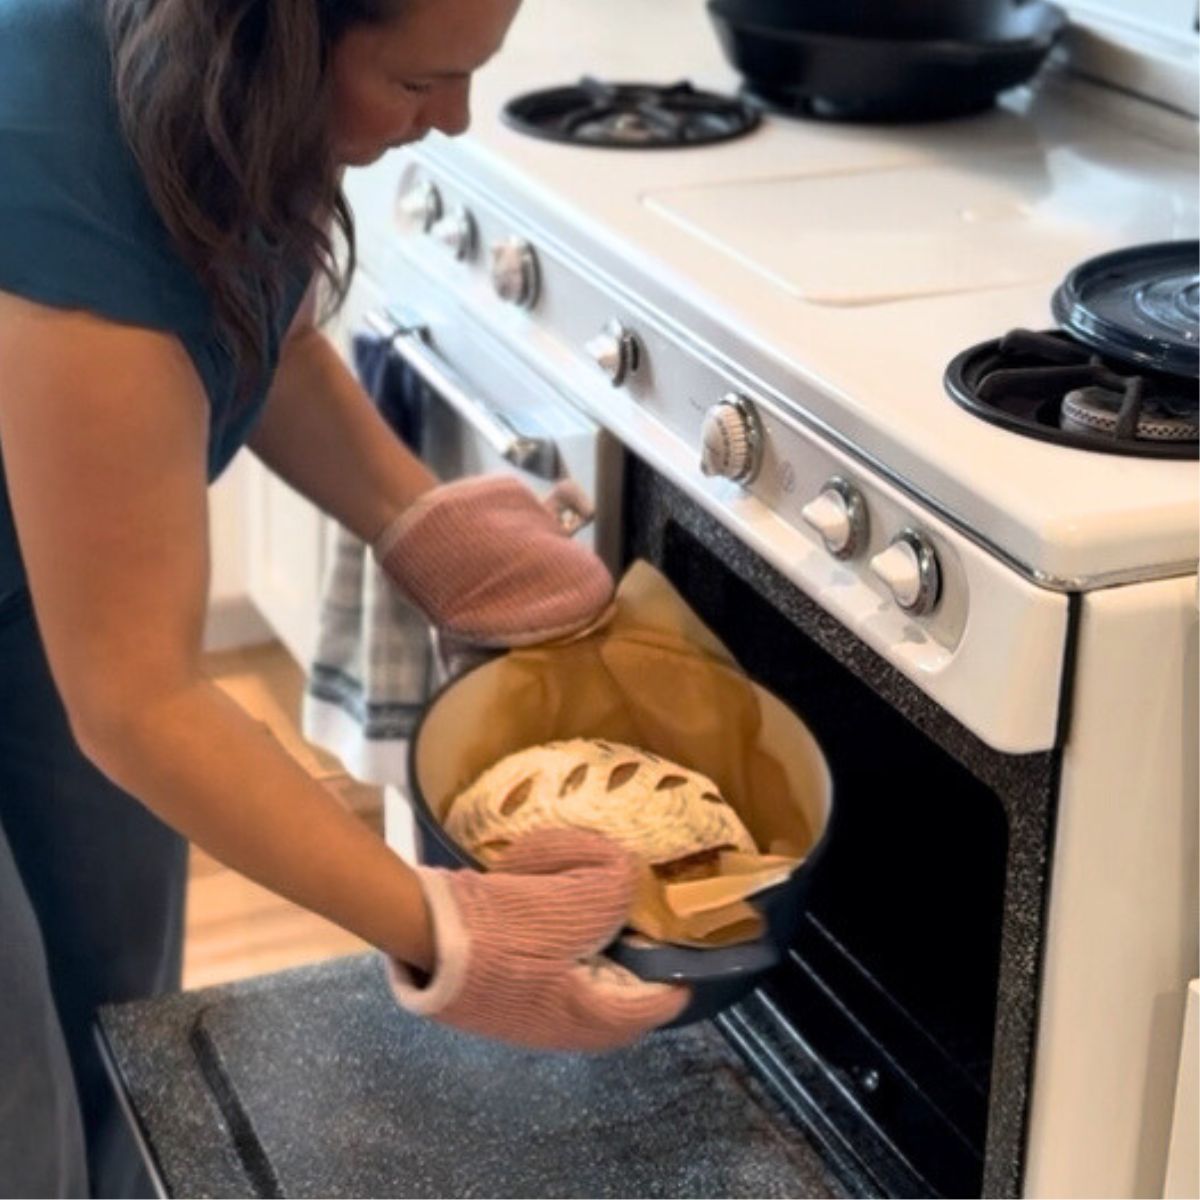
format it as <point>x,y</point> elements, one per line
<point>1048,386</point>
<point>630,116</point>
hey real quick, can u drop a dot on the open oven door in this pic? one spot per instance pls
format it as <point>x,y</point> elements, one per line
<point>313,1083</point>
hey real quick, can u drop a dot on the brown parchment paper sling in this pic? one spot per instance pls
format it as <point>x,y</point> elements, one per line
<point>654,677</point>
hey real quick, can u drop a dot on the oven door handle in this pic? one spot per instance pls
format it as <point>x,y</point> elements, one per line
<point>411,341</point>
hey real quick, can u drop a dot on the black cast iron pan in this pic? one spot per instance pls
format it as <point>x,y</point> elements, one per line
<point>840,69</point>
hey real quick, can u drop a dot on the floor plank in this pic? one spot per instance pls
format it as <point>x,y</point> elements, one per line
<point>234,927</point>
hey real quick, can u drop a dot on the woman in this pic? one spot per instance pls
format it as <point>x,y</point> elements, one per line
<point>168,175</point>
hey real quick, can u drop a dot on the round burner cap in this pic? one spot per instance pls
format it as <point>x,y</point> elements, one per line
<point>1141,305</point>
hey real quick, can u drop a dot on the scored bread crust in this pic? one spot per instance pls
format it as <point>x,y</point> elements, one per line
<point>662,812</point>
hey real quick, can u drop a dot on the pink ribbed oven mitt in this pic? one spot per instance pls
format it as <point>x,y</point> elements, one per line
<point>486,561</point>
<point>517,948</point>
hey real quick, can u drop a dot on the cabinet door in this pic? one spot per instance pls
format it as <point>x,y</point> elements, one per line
<point>286,560</point>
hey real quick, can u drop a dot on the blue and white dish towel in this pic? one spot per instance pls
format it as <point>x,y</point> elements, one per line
<point>372,670</point>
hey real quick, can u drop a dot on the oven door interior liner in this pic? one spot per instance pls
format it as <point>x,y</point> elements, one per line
<point>314,1083</point>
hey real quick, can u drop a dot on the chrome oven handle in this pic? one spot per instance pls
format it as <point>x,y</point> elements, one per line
<point>410,340</point>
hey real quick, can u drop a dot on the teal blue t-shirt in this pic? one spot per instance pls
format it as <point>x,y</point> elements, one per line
<point>77,227</point>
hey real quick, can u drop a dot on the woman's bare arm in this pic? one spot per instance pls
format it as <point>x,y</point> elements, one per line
<point>104,432</point>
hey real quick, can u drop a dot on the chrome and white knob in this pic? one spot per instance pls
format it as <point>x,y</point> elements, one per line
<point>456,231</point>
<point>909,567</point>
<point>422,204</point>
<point>839,515</point>
<point>615,351</point>
<point>731,440</point>
<point>515,274</point>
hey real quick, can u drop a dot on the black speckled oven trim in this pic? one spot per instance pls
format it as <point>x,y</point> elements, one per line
<point>1027,786</point>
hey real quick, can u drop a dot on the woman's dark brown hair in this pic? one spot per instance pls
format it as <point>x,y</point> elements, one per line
<point>226,106</point>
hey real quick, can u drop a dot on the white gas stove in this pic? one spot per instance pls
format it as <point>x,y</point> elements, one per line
<point>766,322</point>
<point>846,266</point>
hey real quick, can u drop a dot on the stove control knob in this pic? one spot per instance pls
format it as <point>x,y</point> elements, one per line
<point>731,440</point>
<point>909,566</point>
<point>422,205</point>
<point>839,515</point>
<point>456,231</point>
<point>615,351</point>
<point>515,274</point>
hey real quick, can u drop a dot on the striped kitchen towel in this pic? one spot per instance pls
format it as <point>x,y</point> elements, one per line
<point>371,672</point>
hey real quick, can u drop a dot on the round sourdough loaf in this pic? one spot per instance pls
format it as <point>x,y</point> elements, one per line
<point>674,819</point>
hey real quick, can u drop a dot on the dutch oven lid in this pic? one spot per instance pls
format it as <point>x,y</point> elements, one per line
<point>1140,304</point>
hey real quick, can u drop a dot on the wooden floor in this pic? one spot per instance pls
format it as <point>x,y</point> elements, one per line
<point>234,927</point>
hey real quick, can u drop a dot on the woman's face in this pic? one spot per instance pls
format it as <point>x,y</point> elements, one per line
<point>394,82</point>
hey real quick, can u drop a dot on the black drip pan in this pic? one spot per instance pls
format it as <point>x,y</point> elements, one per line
<point>1048,386</point>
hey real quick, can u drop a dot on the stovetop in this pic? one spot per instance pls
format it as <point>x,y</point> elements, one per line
<point>844,267</point>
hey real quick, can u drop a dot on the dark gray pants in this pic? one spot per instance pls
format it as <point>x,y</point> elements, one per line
<point>91,911</point>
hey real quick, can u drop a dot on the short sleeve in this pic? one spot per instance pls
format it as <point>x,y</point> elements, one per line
<point>77,227</point>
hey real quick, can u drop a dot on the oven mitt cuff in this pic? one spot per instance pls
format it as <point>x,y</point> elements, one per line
<point>451,945</point>
<point>490,564</point>
<point>516,948</point>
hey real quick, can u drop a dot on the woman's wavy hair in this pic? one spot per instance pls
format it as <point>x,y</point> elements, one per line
<point>226,107</point>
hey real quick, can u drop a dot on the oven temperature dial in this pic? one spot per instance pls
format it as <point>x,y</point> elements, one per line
<point>839,515</point>
<point>909,566</point>
<point>731,440</point>
<point>515,272</point>
<point>456,231</point>
<point>421,204</point>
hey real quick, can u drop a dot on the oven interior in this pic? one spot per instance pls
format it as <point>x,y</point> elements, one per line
<point>886,1007</point>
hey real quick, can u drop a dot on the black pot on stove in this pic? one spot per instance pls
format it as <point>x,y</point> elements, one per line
<point>924,20</point>
<point>911,60</point>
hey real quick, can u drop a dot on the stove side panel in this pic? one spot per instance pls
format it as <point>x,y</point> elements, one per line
<point>1122,922</point>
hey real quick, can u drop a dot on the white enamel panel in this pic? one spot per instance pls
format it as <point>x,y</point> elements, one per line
<point>1122,928</point>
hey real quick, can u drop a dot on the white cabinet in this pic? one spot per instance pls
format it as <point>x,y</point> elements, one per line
<point>286,560</point>
<point>232,619</point>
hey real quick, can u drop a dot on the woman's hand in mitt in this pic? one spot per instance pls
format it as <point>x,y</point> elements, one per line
<point>490,564</point>
<point>517,948</point>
